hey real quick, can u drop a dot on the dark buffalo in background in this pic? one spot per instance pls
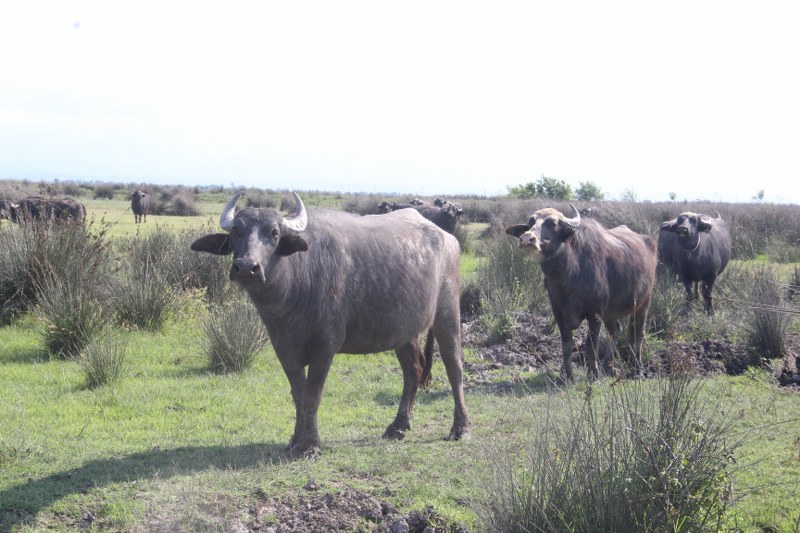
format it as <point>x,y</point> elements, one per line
<point>442,213</point>
<point>591,273</point>
<point>327,282</point>
<point>37,208</point>
<point>696,248</point>
<point>140,205</point>
<point>5,209</point>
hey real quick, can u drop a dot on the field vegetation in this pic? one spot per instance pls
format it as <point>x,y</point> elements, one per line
<point>138,391</point>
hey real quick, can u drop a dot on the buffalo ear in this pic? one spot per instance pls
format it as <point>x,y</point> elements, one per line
<point>703,225</point>
<point>291,243</point>
<point>518,230</point>
<point>216,243</point>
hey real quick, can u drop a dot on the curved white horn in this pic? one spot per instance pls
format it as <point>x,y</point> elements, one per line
<point>298,221</point>
<point>575,221</point>
<point>226,218</point>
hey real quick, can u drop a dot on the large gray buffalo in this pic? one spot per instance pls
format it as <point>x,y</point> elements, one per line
<point>140,205</point>
<point>696,248</point>
<point>327,282</point>
<point>593,274</point>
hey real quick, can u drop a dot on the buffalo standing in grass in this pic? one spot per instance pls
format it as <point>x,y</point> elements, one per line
<point>37,208</point>
<point>593,274</point>
<point>140,205</point>
<point>444,214</point>
<point>327,282</point>
<point>696,248</point>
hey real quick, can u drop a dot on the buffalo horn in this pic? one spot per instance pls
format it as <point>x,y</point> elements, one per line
<point>298,221</point>
<point>226,218</point>
<point>575,221</point>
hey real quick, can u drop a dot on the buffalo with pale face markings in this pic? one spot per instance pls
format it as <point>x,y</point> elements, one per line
<point>591,273</point>
<point>327,282</point>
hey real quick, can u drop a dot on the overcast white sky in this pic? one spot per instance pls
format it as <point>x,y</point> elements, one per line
<point>698,98</point>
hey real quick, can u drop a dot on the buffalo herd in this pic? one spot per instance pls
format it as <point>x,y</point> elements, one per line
<point>327,282</point>
<point>37,208</point>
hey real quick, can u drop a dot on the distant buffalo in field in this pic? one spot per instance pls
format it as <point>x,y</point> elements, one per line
<point>140,205</point>
<point>591,273</point>
<point>696,248</point>
<point>5,209</point>
<point>37,208</point>
<point>442,213</point>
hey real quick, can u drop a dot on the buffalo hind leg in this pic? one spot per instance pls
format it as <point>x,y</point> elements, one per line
<point>707,303</point>
<point>448,336</point>
<point>635,338</point>
<point>409,356</point>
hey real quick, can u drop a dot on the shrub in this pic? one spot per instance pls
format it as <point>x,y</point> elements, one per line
<point>145,301</point>
<point>104,190</point>
<point>508,282</point>
<point>766,330</point>
<point>637,456</point>
<point>667,308</point>
<point>72,312</point>
<point>103,361</point>
<point>234,335</point>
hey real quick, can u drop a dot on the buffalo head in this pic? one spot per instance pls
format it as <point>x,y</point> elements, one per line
<point>546,231</point>
<point>256,237</point>
<point>687,227</point>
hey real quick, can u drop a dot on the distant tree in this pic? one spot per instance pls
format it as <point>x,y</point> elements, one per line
<point>759,196</point>
<point>672,196</point>
<point>629,195</point>
<point>546,187</point>
<point>588,191</point>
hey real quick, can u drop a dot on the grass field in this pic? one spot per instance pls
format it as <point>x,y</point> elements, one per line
<point>173,447</point>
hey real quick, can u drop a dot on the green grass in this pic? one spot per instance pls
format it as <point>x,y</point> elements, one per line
<point>172,445</point>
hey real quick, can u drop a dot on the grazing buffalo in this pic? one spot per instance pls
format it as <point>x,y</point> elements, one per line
<point>38,208</point>
<point>5,209</point>
<point>696,248</point>
<point>591,273</point>
<point>140,205</point>
<point>327,282</point>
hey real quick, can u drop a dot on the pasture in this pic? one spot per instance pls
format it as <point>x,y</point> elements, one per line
<point>173,446</point>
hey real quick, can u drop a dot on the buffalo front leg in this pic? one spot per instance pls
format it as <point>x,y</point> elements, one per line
<point>305,441</point>
<point>409,356</point>
<point>707,303</point>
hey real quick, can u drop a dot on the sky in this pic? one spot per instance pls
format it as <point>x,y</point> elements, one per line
<point>696,99</point>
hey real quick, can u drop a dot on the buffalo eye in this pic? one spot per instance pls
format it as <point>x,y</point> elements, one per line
<point>275,233</point>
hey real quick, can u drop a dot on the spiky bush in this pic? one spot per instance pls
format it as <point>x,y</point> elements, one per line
<point>147,301</point>
<point>104,360</point>
<point>234,335</point>
<point>639,456</point>
<point>508,282</point>
<point>770,315</point>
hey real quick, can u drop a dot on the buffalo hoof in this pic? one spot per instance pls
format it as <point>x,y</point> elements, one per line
<point>394,433</point>
<point>309,451</point>
<point>460,433</point>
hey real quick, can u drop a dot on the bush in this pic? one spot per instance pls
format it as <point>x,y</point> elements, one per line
<point>72,313</point>
<point>103,361</point>
<point>105,190</point>
<point>234,335</point>
<point>638,456</point>
<point>766,330</point>
<point>146,301</point>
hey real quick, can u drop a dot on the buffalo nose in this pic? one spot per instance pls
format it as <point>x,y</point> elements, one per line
<point>246,269</point>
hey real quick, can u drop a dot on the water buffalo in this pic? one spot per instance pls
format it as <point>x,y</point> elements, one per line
<point>591,273</point>
<point>446,216</point>
<point>38,208</point>
<point>140,205</point>
<point>5,209</point>
<point>327,282</point>
<point>696,248</point>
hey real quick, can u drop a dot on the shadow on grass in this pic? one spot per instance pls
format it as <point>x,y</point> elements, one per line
<point>29,354</point>
<point>20,504</point>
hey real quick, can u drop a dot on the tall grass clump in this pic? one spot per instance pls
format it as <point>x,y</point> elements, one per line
<point>147,301</point>
<point>667,308</point>
<point>103,361</point>
<point>766,331</point>
<point>634,456</point>
<point>234,335</point>
<point>508,282</point>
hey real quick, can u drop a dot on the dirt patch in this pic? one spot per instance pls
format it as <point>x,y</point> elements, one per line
<point>347,510</point>
<point>534,343</point>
